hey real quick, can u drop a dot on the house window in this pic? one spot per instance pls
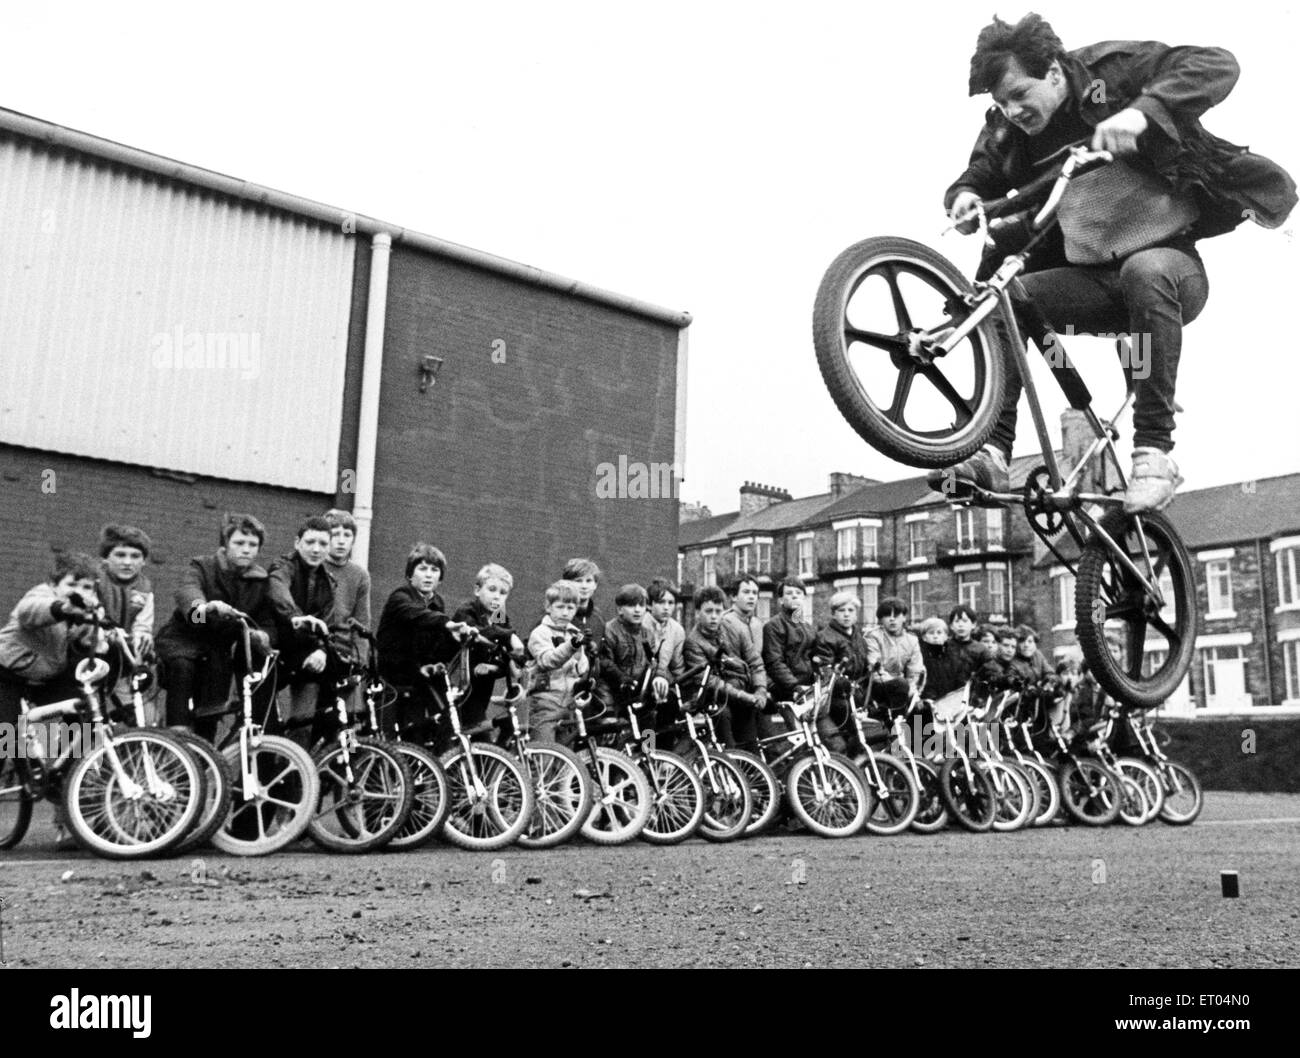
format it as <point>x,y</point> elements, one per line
<point>870,544</point>
<point>916,541</point>
<point>764,610</point>
<point>993,525</point>
<point>916,601</point>
<point>870,600</point>
<point>845,539</point>
<point>968,589</point>
<point>1218,582</point>
<point>965,529</point>
<point>997,590</point>
<point>742,559</point>
<point>1225,677</point>
<point>1180,702</point>
<point>679,571</point>
<point>805,557</point>
<point>806,611</point>
<point>1291,661</point>
<point>1063,599</point>
<point>710,574</point>
<point>1168,612</point>
<point>763,557</point>
<point>1288,582</point>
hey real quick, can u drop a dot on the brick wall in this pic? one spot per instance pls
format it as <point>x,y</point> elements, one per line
<point>499,460</point>
<point>181,517</point>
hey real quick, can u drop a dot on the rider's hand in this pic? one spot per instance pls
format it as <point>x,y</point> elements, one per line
<point>660,687</point>
<point>484,669</point>
<point>142,644</point>
<point>965,202</point>
<point>312,624</point>
<point>516,645</point>
<point>1119,132</point>
<point>459,629</point>
<point>219,608</point>
<point>314,662</point>
<point>260,639</point>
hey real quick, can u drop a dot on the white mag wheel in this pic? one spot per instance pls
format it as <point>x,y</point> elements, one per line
<point>828,797</point>
<point>621,801</point>
<point>140,806</point>
<point>275,810</point>
<point>1015,799</point>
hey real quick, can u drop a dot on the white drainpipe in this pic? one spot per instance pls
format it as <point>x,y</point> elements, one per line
<point>363,508</point>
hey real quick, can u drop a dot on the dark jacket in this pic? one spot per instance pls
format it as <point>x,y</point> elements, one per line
<point>1031,670</point>
<point>849,648</point>
<point>412,632</point>
<point>1172,87</point>
<point>495,627</point>
<point>787,655</point>
<point>211,578</point>
<point>311,589</point>
<point>728,674</point>
<point>948,666</point>
<point>625,655</point>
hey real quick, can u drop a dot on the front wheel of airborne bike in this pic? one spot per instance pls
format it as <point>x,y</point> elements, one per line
<point>895,799</point>
<point>143,810</point>
<point>490,802</point>
<point>828,797</point>
<point>285,790</point>
<point>365,796</point>
<point>561,795</point>
<point>1183,797</point>
<point>15,802</point>
<point>1091,792</point>
<point>622,801</point>
<point>968,794</point>
<point>429,803</point>
<point>728,800</point>
<point>1110,599</point>
<point>881,304</point>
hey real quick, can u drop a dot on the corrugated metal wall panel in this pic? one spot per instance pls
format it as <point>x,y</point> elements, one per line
<point>159,325</point>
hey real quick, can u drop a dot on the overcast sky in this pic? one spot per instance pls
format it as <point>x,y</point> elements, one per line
<point>713,157</point>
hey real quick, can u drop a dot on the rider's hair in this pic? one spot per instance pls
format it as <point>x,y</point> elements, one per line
<point>581,567</point>
<point>340,519</point>
<point>790,582</point>
<point>630,595</point>
<point>315,524</point>
<point>891,605</point>
<point>562,591</point>
<point>709,593</point>
<point>112,536</point>
<point>423,552</point>
<point>984,630</point>
<point>932,624</point>
<point>75,563</point>
<point>1004,633</point>
<point>494,572</point>
<point>844,598</point>
<point>741,580</point>
<point>1024,632</point>
<point>659,587</point>
<point>961,610</point>
<point>242,523</point>
<point>1031,42</point>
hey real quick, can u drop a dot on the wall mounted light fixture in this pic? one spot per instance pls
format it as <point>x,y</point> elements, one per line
<point>429,368</point>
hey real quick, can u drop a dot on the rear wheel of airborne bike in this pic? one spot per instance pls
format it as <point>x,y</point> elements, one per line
<point>881,301</point>
<point>1110,599</point>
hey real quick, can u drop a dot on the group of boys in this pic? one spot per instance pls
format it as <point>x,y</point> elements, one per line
<point>304,604</point>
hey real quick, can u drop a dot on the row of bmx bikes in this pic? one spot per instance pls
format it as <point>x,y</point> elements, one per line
<point>129,791</point>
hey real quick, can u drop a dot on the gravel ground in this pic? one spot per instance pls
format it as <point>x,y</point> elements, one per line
<point>1059,897</point>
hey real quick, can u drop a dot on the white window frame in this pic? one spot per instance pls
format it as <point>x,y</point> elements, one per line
<point>916,534</point>
<point>1289,640</point>
<point>1218,568</point>
<point>846,540</point>
<point>1287,550</point>
<point>709,567</point>
<point>680,570</point>
<point>869,556</point>
<point>966,540</point>
<point>762,568</point>
<point>1063,598</point>
<point>913,580</point>
<point>1210,652</point>
<point>805,549</point>
<point>995,528</point>
<point>976,582</point>
<point>1005,571</point>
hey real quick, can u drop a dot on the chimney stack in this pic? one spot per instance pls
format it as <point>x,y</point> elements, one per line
<point>755,497</point>
<point>1076,437</point>
<point>841,483</point>
<point>692,512</point>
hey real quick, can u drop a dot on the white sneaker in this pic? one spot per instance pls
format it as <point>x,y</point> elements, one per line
<point>1152,484</point>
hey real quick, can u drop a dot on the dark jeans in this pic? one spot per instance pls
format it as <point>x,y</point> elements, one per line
<point>1149,296</point>
<point>13,688</point>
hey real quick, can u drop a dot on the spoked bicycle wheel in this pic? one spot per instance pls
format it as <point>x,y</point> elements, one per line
<point>15,802</point>
<point>931,812</point>
<point>490,800</point>
<point>1183,797</point>
<point>764,790</point>
<point>218,790</point>
<point>1091,792</point>
<point>561,795</point>
<point>621,799</point>
<point>365,796</point>
<point>1016,796</point>
<point>728,800</point>
<point>1134,808</point>
<point>283,791</point>
<point>429,803</point>
<point>895,799</point>
<point>1146,777</point>
<point>143,810</point>
<point>880,307</point>
<point>1109,598</point>
<point>968,793</point>
<point>676,799</point>
<point>828,797</point>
